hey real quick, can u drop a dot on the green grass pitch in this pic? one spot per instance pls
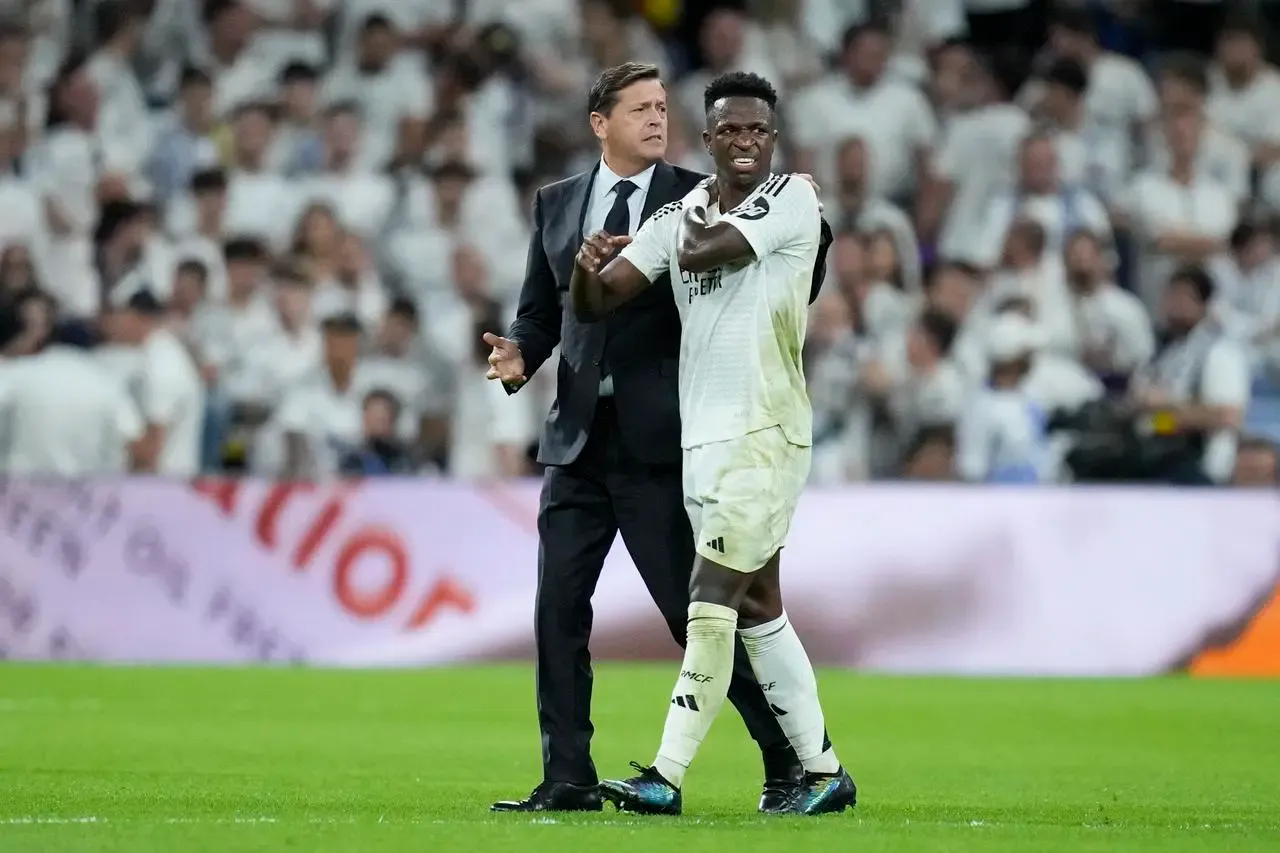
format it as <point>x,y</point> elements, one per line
<point>228,760</point>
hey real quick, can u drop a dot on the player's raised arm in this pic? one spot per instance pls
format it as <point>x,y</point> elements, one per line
<point>600,285</point>
<point>703,246</point>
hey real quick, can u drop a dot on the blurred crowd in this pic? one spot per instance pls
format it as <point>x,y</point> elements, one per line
<point>265,236</point>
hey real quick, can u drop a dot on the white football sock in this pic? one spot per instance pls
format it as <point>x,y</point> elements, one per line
<point>701,688</point>
<point>780,663</point>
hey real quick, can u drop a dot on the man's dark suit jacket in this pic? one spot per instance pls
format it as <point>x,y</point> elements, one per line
<point>640,340</point>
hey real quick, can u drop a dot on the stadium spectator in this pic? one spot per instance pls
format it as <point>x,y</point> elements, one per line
<point>171,395</point>
<point>1197,387</point>
<point>65,415</point>
<point>1113,332</point>
<point>893,117</point>
<point>1257,464</point>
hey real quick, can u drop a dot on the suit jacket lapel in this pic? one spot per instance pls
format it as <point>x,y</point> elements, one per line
<point>577,198</point>
<point>579,201</point>
<point>661,190</point>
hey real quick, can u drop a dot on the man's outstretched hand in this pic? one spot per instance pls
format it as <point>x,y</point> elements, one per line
<point>505,362</point>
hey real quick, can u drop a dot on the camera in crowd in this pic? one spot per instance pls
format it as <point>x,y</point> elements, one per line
<point>1113,443</point>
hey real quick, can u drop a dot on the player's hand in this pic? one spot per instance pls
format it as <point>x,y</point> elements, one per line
<point>506,363</point>
<point>811,181</point>
<point>598,248</point>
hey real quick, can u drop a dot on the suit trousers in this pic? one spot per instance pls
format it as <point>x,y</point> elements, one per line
<point>583,507</point>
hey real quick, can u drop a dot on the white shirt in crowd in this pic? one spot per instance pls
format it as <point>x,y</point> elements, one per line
<point>173,398</point>
<point>63,414</point>
<point>1252,112</point>
<point>893,117</point>
<point>330,421</point>
<point>1112,324</point>
<point>65,168</point>
<point>929,399</point>
<point>226,334</point>
<point>743,328</point>
<point>976,159</point>
<point>125,124</point>
<point>1045,287</point>
<point>1000,437</point>
<point>1061,214</point>
<point>1158,205</point>
<point>273,366</point>
<point>1222,159</point>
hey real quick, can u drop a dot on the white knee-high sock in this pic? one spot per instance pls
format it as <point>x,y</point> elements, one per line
<point>701,688</point>
<point>781,665</point>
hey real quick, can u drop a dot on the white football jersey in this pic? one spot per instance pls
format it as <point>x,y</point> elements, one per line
<point>743,326</point>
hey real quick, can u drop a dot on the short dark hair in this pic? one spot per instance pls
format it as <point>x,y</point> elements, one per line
<point>963,268</point>
<point>1245,233</point>
<point>376,21</point>
<point>1075,19</point>
<point>1188,68</point>
<point>298,72</point>
<point>112,17</point>
<point>145,302</point>
<point>874,27</point>
<point>267,109</point>
<point>1241,21</point>
<point>940,327</point>
<point>342,108</point>
<point>1197,277</point>
<point>938,433</point>
<point>1257,442</point>
<point>385,396</point>
<point>739,84</point>
<point>1083,233</point>
<point>345,323</point>
<point>289,271</point>
<point>611,82</point>
<point>403,306</point>
<point>244,249</point>
<point>1006,66</point>
<point>1069,74</point>
<point>194,75</point>
<point>193,267</point>
<point>208,180</point>
<point>1032,232</point>
<point>215,9</point>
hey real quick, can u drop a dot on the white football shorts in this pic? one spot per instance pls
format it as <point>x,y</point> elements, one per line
<point>741,495</point>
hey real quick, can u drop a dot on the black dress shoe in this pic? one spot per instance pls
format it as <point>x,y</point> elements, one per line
<point>555,797</point>
<point>783,776</point>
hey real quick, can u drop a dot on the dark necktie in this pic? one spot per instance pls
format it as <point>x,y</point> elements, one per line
<point>618,224</point>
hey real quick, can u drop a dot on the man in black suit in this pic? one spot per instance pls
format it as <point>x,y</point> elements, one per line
<point>611,443</point>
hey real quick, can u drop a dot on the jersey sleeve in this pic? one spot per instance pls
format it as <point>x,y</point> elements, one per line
<point>781,214</point>
<point>651,249</point>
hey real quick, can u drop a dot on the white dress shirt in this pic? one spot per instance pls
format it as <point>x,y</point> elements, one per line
<point>598,207</point>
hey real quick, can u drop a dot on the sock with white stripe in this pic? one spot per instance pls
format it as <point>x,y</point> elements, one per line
<point>782,666</point>
<point>700,690</point>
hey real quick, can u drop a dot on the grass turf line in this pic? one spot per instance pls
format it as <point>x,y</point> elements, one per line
<point>175,759</point>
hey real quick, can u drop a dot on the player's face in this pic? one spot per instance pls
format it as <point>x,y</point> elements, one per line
<point>740,137</point>
<point>637,124</point>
